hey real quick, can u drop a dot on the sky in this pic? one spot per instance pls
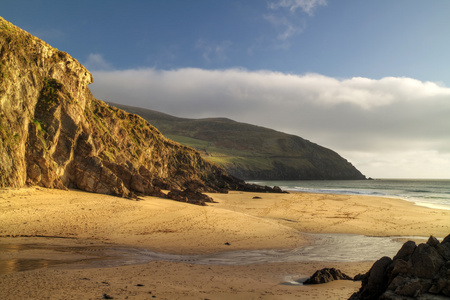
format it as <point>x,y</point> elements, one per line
<point>368,79</point>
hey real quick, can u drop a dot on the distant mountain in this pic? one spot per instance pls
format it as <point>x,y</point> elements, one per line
<point>251,152</point>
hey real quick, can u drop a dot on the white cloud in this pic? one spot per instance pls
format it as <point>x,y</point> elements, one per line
<point>308,6</point>
<point>96,61</point>
<point>289,29</point>
<point>385,119</point>
<point>213,51</point>
<point>289,23</point>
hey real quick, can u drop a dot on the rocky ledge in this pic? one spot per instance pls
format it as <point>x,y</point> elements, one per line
<point>416,272</point>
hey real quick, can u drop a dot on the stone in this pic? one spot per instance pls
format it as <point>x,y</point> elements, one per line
<point>406,251</point>
<point>444,250</point>
<point>189,196</point>
<point>359,277</point>
<point>416,272</point>
<point>426,261</point>
<point>326,275</point>
<point>377,279</point>
<point>400,266</point>
<point>412,287</point>
<point>432,241</point>
<point>442,285</point>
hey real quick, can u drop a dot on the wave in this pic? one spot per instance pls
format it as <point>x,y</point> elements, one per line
<point>422,192</point>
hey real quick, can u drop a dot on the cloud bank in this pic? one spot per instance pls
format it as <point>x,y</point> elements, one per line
<point>377,124</point>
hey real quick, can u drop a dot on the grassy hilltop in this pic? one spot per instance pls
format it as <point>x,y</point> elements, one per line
<point>251,152</point>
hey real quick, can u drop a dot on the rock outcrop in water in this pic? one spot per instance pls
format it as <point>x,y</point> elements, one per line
<point>416,272</point>
<point>55,134</point>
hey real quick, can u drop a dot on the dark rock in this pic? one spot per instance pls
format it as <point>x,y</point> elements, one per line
<point>406,251</point>
<point>421,272</point>
<point>441,286</point>
<point>359,277</point>
<point>106,296</point>
<point>248,187</point>
<point>446,239</point>
<point>444,250</point>
<point>400,266</point>
<point>426,261</point>
<point>432,241</point>
<point>277,189</point>
<point>409,287</point>
<point>189,196</point>
<point>377,280</point>
<point>326,275</point>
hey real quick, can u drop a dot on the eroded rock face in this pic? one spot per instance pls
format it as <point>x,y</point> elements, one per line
<point>416,272</point>
<point>25,64</point>
<point>53,133</point>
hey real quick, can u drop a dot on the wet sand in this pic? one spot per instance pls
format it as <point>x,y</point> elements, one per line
<point>71,219</point>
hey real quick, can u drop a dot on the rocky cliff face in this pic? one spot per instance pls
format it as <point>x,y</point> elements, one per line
<point>53,133</point>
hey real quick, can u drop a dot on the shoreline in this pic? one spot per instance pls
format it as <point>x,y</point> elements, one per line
<point>393,188</point>
<point>368,215</point>
<point>237,222</point>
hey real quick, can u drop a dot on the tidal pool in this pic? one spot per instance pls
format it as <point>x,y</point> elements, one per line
<point>325,247</point>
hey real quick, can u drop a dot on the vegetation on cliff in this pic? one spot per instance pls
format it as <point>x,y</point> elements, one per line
<point>252,152</point>
<point>55,134</point>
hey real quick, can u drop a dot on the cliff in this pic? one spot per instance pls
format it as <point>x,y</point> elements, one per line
<point>252,152</point>
<point>55,134</point>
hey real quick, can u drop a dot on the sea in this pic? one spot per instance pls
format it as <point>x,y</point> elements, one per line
<point>432,193</point>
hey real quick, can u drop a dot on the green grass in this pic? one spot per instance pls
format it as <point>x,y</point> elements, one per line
<point>241,147</point>
<point>224,156</point>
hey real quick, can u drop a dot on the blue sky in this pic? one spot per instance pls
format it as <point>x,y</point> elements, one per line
<point>368,79</point>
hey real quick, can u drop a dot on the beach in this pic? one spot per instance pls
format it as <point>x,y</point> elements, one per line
<point>68,232</point>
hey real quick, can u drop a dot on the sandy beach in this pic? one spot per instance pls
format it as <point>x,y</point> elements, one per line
<point>43,227</point>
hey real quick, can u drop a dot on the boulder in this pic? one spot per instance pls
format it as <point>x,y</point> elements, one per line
<point>426,261</point>
<point>406,251</point>
<point>326,275</point>
<point>376,280</point>
<point>416,272</point>
<point>189,196</point>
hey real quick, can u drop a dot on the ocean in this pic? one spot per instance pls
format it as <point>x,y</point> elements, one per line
<point>433,193</point>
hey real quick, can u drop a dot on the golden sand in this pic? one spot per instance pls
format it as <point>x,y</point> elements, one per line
<point>236,222</point>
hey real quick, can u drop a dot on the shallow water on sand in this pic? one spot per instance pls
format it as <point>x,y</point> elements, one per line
<point>325,247</point>
<point>434,193</point>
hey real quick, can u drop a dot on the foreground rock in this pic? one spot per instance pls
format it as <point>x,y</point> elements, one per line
<point>190,196</point>
<point>55,134</point>
<point>326,275</point>
<point>416,272</point>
